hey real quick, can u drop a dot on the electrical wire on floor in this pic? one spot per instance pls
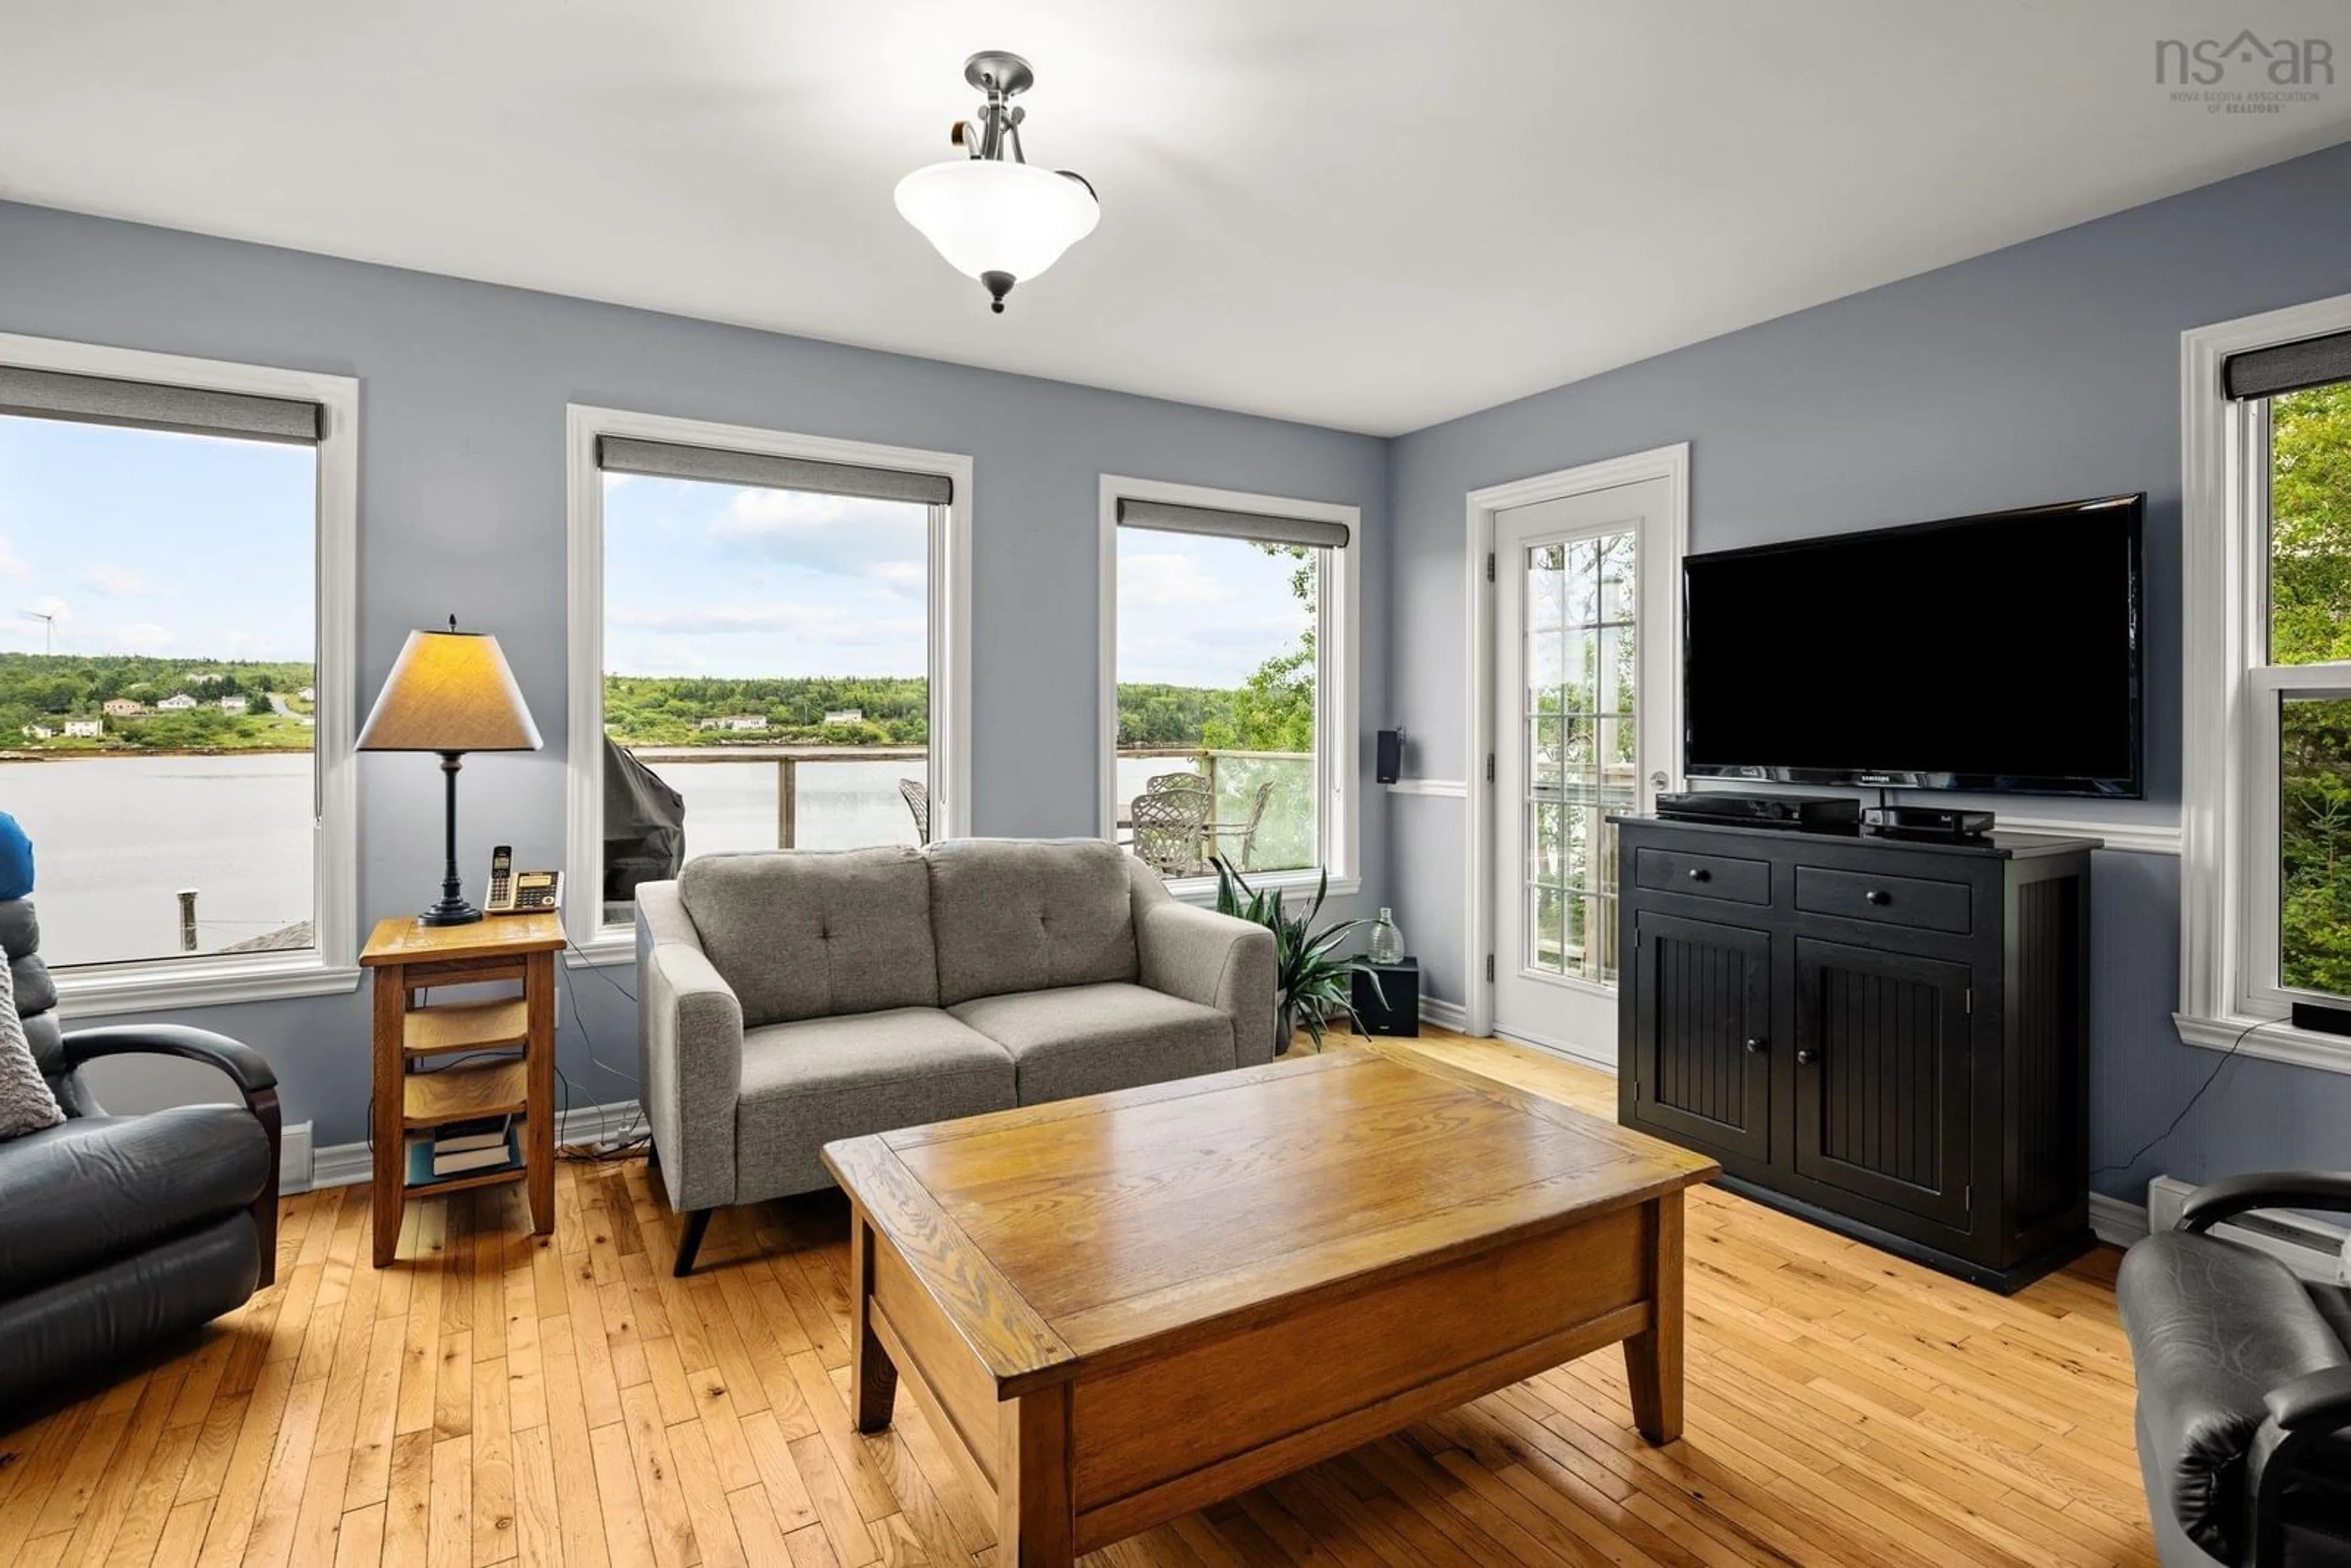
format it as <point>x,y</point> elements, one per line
<point>637,1136</point>
<point>2225,1057</point>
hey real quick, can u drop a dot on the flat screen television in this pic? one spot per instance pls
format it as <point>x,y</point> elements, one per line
<point>1997,654</point>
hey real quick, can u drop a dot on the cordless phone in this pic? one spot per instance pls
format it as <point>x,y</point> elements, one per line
<point>520,893</point>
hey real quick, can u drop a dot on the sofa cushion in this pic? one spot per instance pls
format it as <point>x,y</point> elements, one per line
<point>95,1187</point>
<point>1027,914</point>
<point>1090,1039</point>
<point>808,1083</point>
<point>2213,1328</point>
<point>802,934</point>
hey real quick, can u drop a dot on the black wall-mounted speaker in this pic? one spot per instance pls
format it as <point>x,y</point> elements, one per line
<point>1390,762</point>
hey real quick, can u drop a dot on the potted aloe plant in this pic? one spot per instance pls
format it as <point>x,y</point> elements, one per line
<point>1311,978</point>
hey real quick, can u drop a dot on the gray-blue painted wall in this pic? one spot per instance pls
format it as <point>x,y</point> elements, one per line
<point>2042,372</point>
<point>463,388</point>
<point>2045,370</point>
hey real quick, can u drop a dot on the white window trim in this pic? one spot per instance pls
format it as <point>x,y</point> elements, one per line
<point>1337,682</point>
<point>2224,593</point>
<point>1671,463</point>
<point>950,633</point>
<point>94,991</point>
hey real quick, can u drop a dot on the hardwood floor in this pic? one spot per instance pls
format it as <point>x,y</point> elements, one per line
<point>496,1396</point>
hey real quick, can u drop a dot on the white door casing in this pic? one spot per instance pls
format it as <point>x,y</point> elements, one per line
<point>1575,678</point>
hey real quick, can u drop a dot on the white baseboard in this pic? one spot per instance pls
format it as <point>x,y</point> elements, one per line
<point>1444,1015</point>
<point>349,1165</point>
<point>2115,1221</point>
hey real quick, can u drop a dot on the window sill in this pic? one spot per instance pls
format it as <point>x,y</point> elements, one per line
<point>1202,890</point>
<point>105,990</point>
<point>2272,1039</point>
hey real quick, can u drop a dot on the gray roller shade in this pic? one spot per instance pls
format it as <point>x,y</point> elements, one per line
<point>669,460</point>
<point>101,400</point>
<point>2287,367</point>
<point>1168,517</point>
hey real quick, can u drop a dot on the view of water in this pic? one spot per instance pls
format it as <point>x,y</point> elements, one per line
<point>116,837</point>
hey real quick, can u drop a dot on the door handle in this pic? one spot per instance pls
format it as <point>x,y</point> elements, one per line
<point>1877,896</point>
<point>1699,873</point>
<point>1806,1055</point>
<point>1755,1045</point>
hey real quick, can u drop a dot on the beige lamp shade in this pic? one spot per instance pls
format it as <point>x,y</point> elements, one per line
<point>450,691</point>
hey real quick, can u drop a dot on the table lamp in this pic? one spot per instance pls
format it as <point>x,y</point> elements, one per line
<point>451,693</point>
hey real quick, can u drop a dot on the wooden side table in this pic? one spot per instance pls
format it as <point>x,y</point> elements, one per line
<point>500,1053</point>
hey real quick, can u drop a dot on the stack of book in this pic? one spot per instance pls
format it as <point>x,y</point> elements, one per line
<point>464,1148</point>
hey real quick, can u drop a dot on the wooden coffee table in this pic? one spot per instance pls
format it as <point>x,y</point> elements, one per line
<point>1116,1309</point>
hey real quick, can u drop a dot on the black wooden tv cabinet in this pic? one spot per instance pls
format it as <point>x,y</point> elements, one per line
<point>1888,1037</point>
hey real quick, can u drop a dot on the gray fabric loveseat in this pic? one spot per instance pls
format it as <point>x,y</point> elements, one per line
<point>796,997</point>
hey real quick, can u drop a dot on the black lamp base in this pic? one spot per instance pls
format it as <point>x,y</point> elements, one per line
<point>453,909</point>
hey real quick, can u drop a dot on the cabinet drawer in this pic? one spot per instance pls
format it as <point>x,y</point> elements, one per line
<point>1702,876</point>
<point>1886,900</point>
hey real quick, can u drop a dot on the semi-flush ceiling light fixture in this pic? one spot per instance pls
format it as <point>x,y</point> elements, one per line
<point>991,214</point>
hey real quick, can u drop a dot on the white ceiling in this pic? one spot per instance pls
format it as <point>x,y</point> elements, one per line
<point>1367,214</point>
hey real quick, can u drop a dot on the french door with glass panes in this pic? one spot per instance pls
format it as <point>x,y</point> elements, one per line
<point>1582,731</point>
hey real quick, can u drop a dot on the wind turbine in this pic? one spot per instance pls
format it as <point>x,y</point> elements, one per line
<point>48,628</point>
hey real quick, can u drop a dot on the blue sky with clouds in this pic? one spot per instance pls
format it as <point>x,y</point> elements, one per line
<point>145,542</point>
<point>717,579</point>
<point>141,542</point>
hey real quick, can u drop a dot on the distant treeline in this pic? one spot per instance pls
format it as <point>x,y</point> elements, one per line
<point>42,691</point>
<point>47,689</point>
<point>892,710</point>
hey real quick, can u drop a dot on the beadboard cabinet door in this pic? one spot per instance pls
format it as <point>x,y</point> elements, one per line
<point>1882,1077</point>
<point>1701,1058</point>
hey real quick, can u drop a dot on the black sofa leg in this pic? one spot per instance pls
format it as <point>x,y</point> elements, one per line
<point>690,1242</point>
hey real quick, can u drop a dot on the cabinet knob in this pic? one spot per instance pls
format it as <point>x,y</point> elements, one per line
<point>1754,1045</point>
<point>1698,873</point>
<point>1806,1055</point>
<point>1875,895</point>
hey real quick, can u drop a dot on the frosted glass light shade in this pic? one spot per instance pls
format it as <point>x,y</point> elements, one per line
<point>450,691</point>
<point>985,215</point>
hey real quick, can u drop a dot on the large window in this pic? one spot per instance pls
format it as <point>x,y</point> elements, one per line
<point>2268,849</point>
<point>764,639</point>
<point>1227,623</point>
<point>173,715</point>
<point>2301,697</point>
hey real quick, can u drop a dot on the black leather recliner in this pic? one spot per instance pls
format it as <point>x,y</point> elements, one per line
<point>2244,1385</point>
<point>117,1232</point>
